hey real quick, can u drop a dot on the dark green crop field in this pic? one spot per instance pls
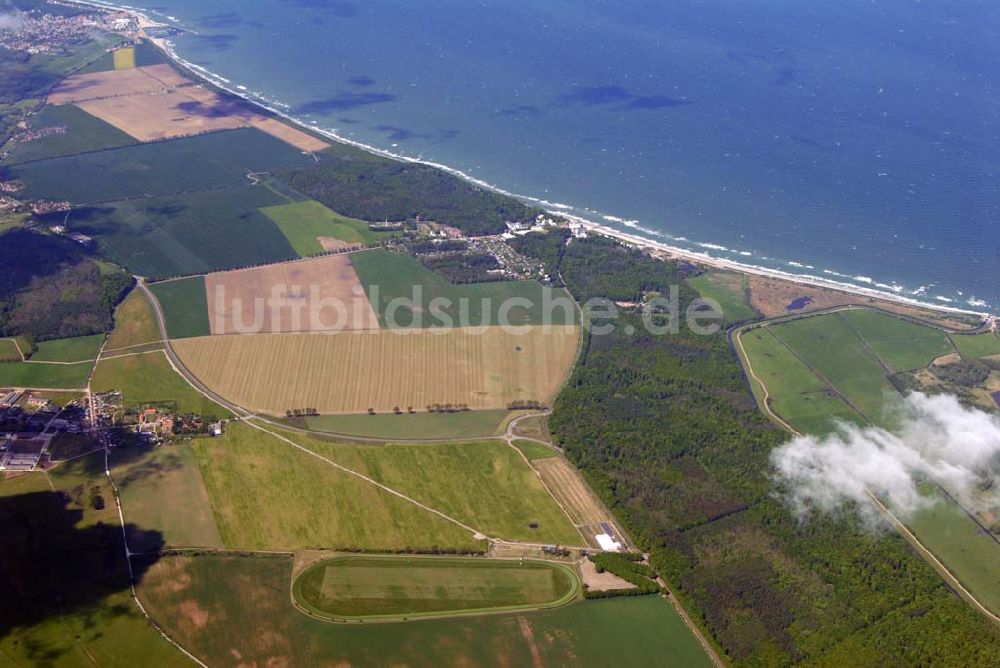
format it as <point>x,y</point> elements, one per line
<point>80,132</point>
<point>184,305</point>
<point>202,162</point>
<point>189,233</point>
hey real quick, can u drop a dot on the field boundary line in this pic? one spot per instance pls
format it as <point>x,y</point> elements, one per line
<point>948,576</point>
<point>136,345</point>
<point>385,488</point>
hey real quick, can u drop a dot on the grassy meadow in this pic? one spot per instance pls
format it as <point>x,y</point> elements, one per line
<point>79,349</point>
<point>303,223</point>
<point>968,551</point>
<point>403,587</point>
<point>534,451</point>
<point>162,489</point>
<point>9,351</point>
<point>42,375</point>
<point>901,345</point>
<point>485,484</point>
<point>184,305</point>
<point>135,324</point>
<point>977,345</point>
<point>388,276</point>
<point>794,392</point>
<point>729,289</point>
<point>147,378</point>
<point>214,605</point>
<point>267,495</point>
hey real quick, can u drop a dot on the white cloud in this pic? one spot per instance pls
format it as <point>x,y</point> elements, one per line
<point>938,439</point>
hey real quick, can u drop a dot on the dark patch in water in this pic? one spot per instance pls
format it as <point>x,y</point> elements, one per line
<point>595,96</point>
<point>799,303</point>
<point>362,81</point>
<point>785,77</point>
<point>349,121</point>
<point>657,102</point>
<point>344,101</point>
<point>219,42</point>
<point>402,134</point>
<point>223,21</point>
<point>589,96</point>
<point>520,110</point>
<point>745,56</point>
<point>339,8</point>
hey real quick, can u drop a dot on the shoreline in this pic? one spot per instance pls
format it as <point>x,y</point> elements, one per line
<point>693,256</point>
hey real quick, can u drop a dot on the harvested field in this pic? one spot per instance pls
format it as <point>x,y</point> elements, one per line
<point>288,134</point>
<point>310,292</point>
<point>161,116</point>
<point>94,85</point>
<point>572,493</point>
<point>383,369</point>
<point>124,59</point>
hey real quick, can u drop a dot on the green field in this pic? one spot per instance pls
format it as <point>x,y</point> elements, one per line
<point>267,495</point>
<point>796,394</point>
<point>388,276</point>
<point>135,324</point>
<point>485,484</point>
<point>900,344</point>
<point>534,451</point>
<point>83,132</point>
<point>249,611</point>
<point>62,569</point>
<point>202,162</point>
<point>148,378</point>
<point>977,345</point>
<point>161,488</point>
<point>394,588</point>
<point>829,345</point>
<point>9,351</point>
<point>187,233</point>
<point>965,548</point>
<point>79,349</point>
<point>184,305</point>
<point>419,426</point>
<point>41,375</point>
<point>303,222</point>
<point>727,288</point>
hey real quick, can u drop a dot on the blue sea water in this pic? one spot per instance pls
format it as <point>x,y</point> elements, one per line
<point>856,140</point>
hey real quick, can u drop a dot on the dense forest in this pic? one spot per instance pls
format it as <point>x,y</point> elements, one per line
<point>51,289</point>
<point>666,430</point>
<point>377,189</point>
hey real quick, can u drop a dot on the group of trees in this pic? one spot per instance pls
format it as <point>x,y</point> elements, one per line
<point>666,431</point>
<point>628,568</point>
<point>461,268</point>
<point>50,288</point>
<point>373,188</point>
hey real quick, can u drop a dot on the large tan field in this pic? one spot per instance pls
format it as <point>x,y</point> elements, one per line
<point>304,293</point>
<point>156,102</point>
<point>94,85</point>
<point>351,372</point>
<point>148,117</point>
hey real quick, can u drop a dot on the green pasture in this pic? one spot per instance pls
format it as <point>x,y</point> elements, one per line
<point>184,305</point>
<point>303,222</point>
<point>43,375</point>
<point>79,349</point>
<point>900,344</point>
<point>727,288</point>
<point>977,345</point>
<point>82,133</point>
<point>418,426</point>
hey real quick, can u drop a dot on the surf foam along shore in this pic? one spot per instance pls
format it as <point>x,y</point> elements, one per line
<point>869,288</point>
